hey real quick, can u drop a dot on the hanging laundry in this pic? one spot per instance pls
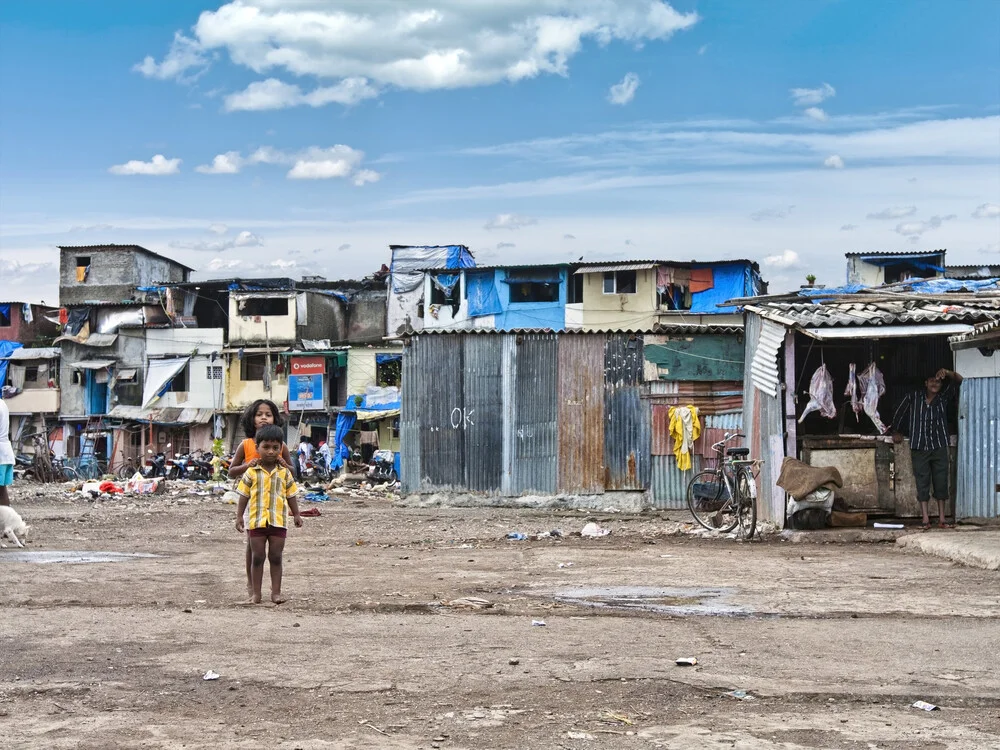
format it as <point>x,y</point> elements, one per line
<point>852,391</point>
<point>872,389</point>
<point>684,428</point>
<point>702,279</point>
<point>820,395</point>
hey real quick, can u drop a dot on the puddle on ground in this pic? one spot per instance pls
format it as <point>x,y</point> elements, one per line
<point>667,601</point>
<point>69,557</point>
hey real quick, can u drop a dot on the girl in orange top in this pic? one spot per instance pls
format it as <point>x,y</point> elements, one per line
<point>261,412</point>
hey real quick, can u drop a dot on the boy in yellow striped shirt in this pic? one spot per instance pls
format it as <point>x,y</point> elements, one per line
<point>268,489</point>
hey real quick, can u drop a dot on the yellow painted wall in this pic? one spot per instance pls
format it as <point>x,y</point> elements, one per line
<point>247,329</point>
<point>361,366</point>
<point>623,311</point>
<point>240,394</point>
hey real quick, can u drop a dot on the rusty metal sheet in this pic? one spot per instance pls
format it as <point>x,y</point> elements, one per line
<point>581,414</point>
<point>535,445</point>
<point>626,416</point>
<point>660,429</point>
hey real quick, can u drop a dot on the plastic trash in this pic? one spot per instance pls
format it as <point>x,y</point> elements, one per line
<point>593,530</point>
<point>566,565</point>
<point>741,695</point>
<point>517,536</point>
<point>210,675</point>
<point>686,661</point>
<point>538,623</point>
<point>888,525</point>
<point>925,706</point>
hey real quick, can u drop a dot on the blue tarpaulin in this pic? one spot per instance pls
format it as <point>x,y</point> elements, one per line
<point>446,282</point>
<point>533,276</point>
<point>381,359</point>
<point>729,281</point>
<point>340,452</point>
<point>482,294</point>
<point>6,347</point>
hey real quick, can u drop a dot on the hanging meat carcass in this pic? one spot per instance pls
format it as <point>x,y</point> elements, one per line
<point>852,391</point>
<point>821,395</point>
<point>872,388</point>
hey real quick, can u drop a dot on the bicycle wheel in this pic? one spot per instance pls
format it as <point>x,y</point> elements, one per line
<point>709,502</point>
<point>68,474</point>
<point>126,471</point>
<point>746,495</point>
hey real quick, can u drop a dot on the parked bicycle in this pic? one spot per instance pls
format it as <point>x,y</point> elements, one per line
<point>724,498</point>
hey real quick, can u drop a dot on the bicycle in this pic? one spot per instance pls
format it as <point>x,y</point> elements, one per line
<point>725,497</point>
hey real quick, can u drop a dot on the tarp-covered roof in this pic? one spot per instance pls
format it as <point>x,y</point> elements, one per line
<point>49,352</point>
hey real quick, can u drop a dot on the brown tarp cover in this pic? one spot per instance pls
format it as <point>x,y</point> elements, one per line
<point>798,479</point>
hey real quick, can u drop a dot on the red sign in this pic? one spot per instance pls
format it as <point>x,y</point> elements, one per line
<point>308,366</point>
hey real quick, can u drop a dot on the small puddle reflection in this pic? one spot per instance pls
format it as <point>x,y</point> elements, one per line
<point>71,558</point>
<point>668,601</point>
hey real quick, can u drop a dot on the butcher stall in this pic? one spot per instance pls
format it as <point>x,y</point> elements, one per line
<point>825,375</point>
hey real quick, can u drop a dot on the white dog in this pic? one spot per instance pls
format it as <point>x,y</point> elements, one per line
<point>11,524</point>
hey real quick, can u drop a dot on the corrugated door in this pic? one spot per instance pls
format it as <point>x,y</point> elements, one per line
<point>411,405</point>
<point>581,413</point>
<point>626,417</point>
<point>978,491</point>
<point>535,448</point>
<point>481,417</point>
<point>442,409</point>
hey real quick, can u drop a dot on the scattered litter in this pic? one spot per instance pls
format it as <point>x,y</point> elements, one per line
<point>470,602</point>
<point>924,706</point>
<point>311,513</point>
<point>210,675</point>
<point>111,488</point>
<point>889,525</point>
<point>687,661</point>
<point>538,623</point>
<point>579,736</point>
<point>665,556</point>
<point>517,536</point>
<point>317,497</point>
<point>513,662</point>
<point>593,530</point>
<point>741,695</point>
<point>566,565</point>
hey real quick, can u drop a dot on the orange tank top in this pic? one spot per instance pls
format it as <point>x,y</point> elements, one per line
<point>250,450</point>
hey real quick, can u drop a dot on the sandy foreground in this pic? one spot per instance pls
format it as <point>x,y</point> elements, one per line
<point>380,646</point>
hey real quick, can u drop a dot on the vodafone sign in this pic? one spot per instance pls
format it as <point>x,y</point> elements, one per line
<point>308,366</point>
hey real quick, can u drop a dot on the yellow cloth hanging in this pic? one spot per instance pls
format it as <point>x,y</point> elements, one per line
<point>684,428</point>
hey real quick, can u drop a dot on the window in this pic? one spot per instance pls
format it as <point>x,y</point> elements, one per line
<point>534,292</point>
<point>252,367</point>
<point>440,298</point>
<point>5,315</point>
<point>619,282</point>
<point>674,298</point>
<point>263,306</point>
<point>180,382</point>
<point>389,372</point>
<point>574,294</point>
<point>213,372</point>
<point>31,374</point>
<point>394,430</point>
<point>82,267</point>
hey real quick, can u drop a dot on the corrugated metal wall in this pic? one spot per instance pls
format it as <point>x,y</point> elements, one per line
<point>536,401</point>
<point>978,449</point>
<point>763,424</point>
<point>581,414</point>
<point>626,416</point>
<point>479,423</point>
<point>670,483</point>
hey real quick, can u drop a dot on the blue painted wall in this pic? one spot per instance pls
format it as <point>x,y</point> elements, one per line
<point>551,315</point>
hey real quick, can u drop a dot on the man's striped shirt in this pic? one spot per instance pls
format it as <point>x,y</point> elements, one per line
<point>268,492</point>
<point>925,424</point>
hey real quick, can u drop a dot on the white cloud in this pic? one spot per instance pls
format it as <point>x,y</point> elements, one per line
<point>772,213</point>
<point>502,245</point>
<point>455,44</point>
<point>808,97</point>
<point>914,229</point>
<point>815,113</point>
<point>833,162</point>
<point>243,239</point>
<point>158,165</point>
<point>275,94</point>
<point>92,228</point>
<point>364,176</point>
<point>325,163</point>
<point>345,246</point>
<point>987,211</point>
<point>282,264</point>
<point>624,91</point>
<point>185,54</point>
<point>895,212</point>
<point>848,227</point>
<point>227,163</point>
<point>223,264</point>
<point>509,221</point>
<point>785,259</point>
<point>218,228</point>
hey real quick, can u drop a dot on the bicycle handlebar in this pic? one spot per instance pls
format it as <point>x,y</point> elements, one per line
<point>726,439</point>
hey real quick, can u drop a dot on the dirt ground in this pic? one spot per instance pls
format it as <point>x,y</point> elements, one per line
<point>832,643</point>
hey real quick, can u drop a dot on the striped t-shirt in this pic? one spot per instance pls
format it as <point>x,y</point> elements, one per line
<point>267,492</point>
<point>925,424</point>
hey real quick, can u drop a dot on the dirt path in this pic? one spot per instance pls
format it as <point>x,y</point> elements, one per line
<point>833,642</point>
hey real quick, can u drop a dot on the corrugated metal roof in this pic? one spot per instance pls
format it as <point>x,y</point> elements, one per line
<point>889,253</point>
<point>622,266</point>
<point>764,364</point>
<point>989,331</point>
<point>95,339</point>
<point>888,309</point>
<point>166,415</point>
<point>51,352</point>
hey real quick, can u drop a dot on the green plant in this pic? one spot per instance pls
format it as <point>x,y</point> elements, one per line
<point>218,447</point>
<point>811,278</point>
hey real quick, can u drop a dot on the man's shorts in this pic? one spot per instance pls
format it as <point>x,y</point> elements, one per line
<point>6,475</point>
<point>276,531</point>
<point>931,467</point>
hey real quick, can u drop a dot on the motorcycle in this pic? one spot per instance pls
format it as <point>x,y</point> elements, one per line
<point>383,467</point>
<point>189,466</point>
<point>315,470</point>
<point>156,464</point>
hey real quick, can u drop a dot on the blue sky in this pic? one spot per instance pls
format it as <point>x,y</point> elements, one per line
<point>283,137</point>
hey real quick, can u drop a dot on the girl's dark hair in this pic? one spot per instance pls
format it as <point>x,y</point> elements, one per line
<point>270,432</point>
<point>249,428</point>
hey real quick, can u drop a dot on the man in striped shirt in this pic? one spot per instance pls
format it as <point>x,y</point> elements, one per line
<point>268,489</point>
<point>922,416</point>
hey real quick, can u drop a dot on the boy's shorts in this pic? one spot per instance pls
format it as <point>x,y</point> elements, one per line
<point>277,531</point>
<point>6,475</point>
